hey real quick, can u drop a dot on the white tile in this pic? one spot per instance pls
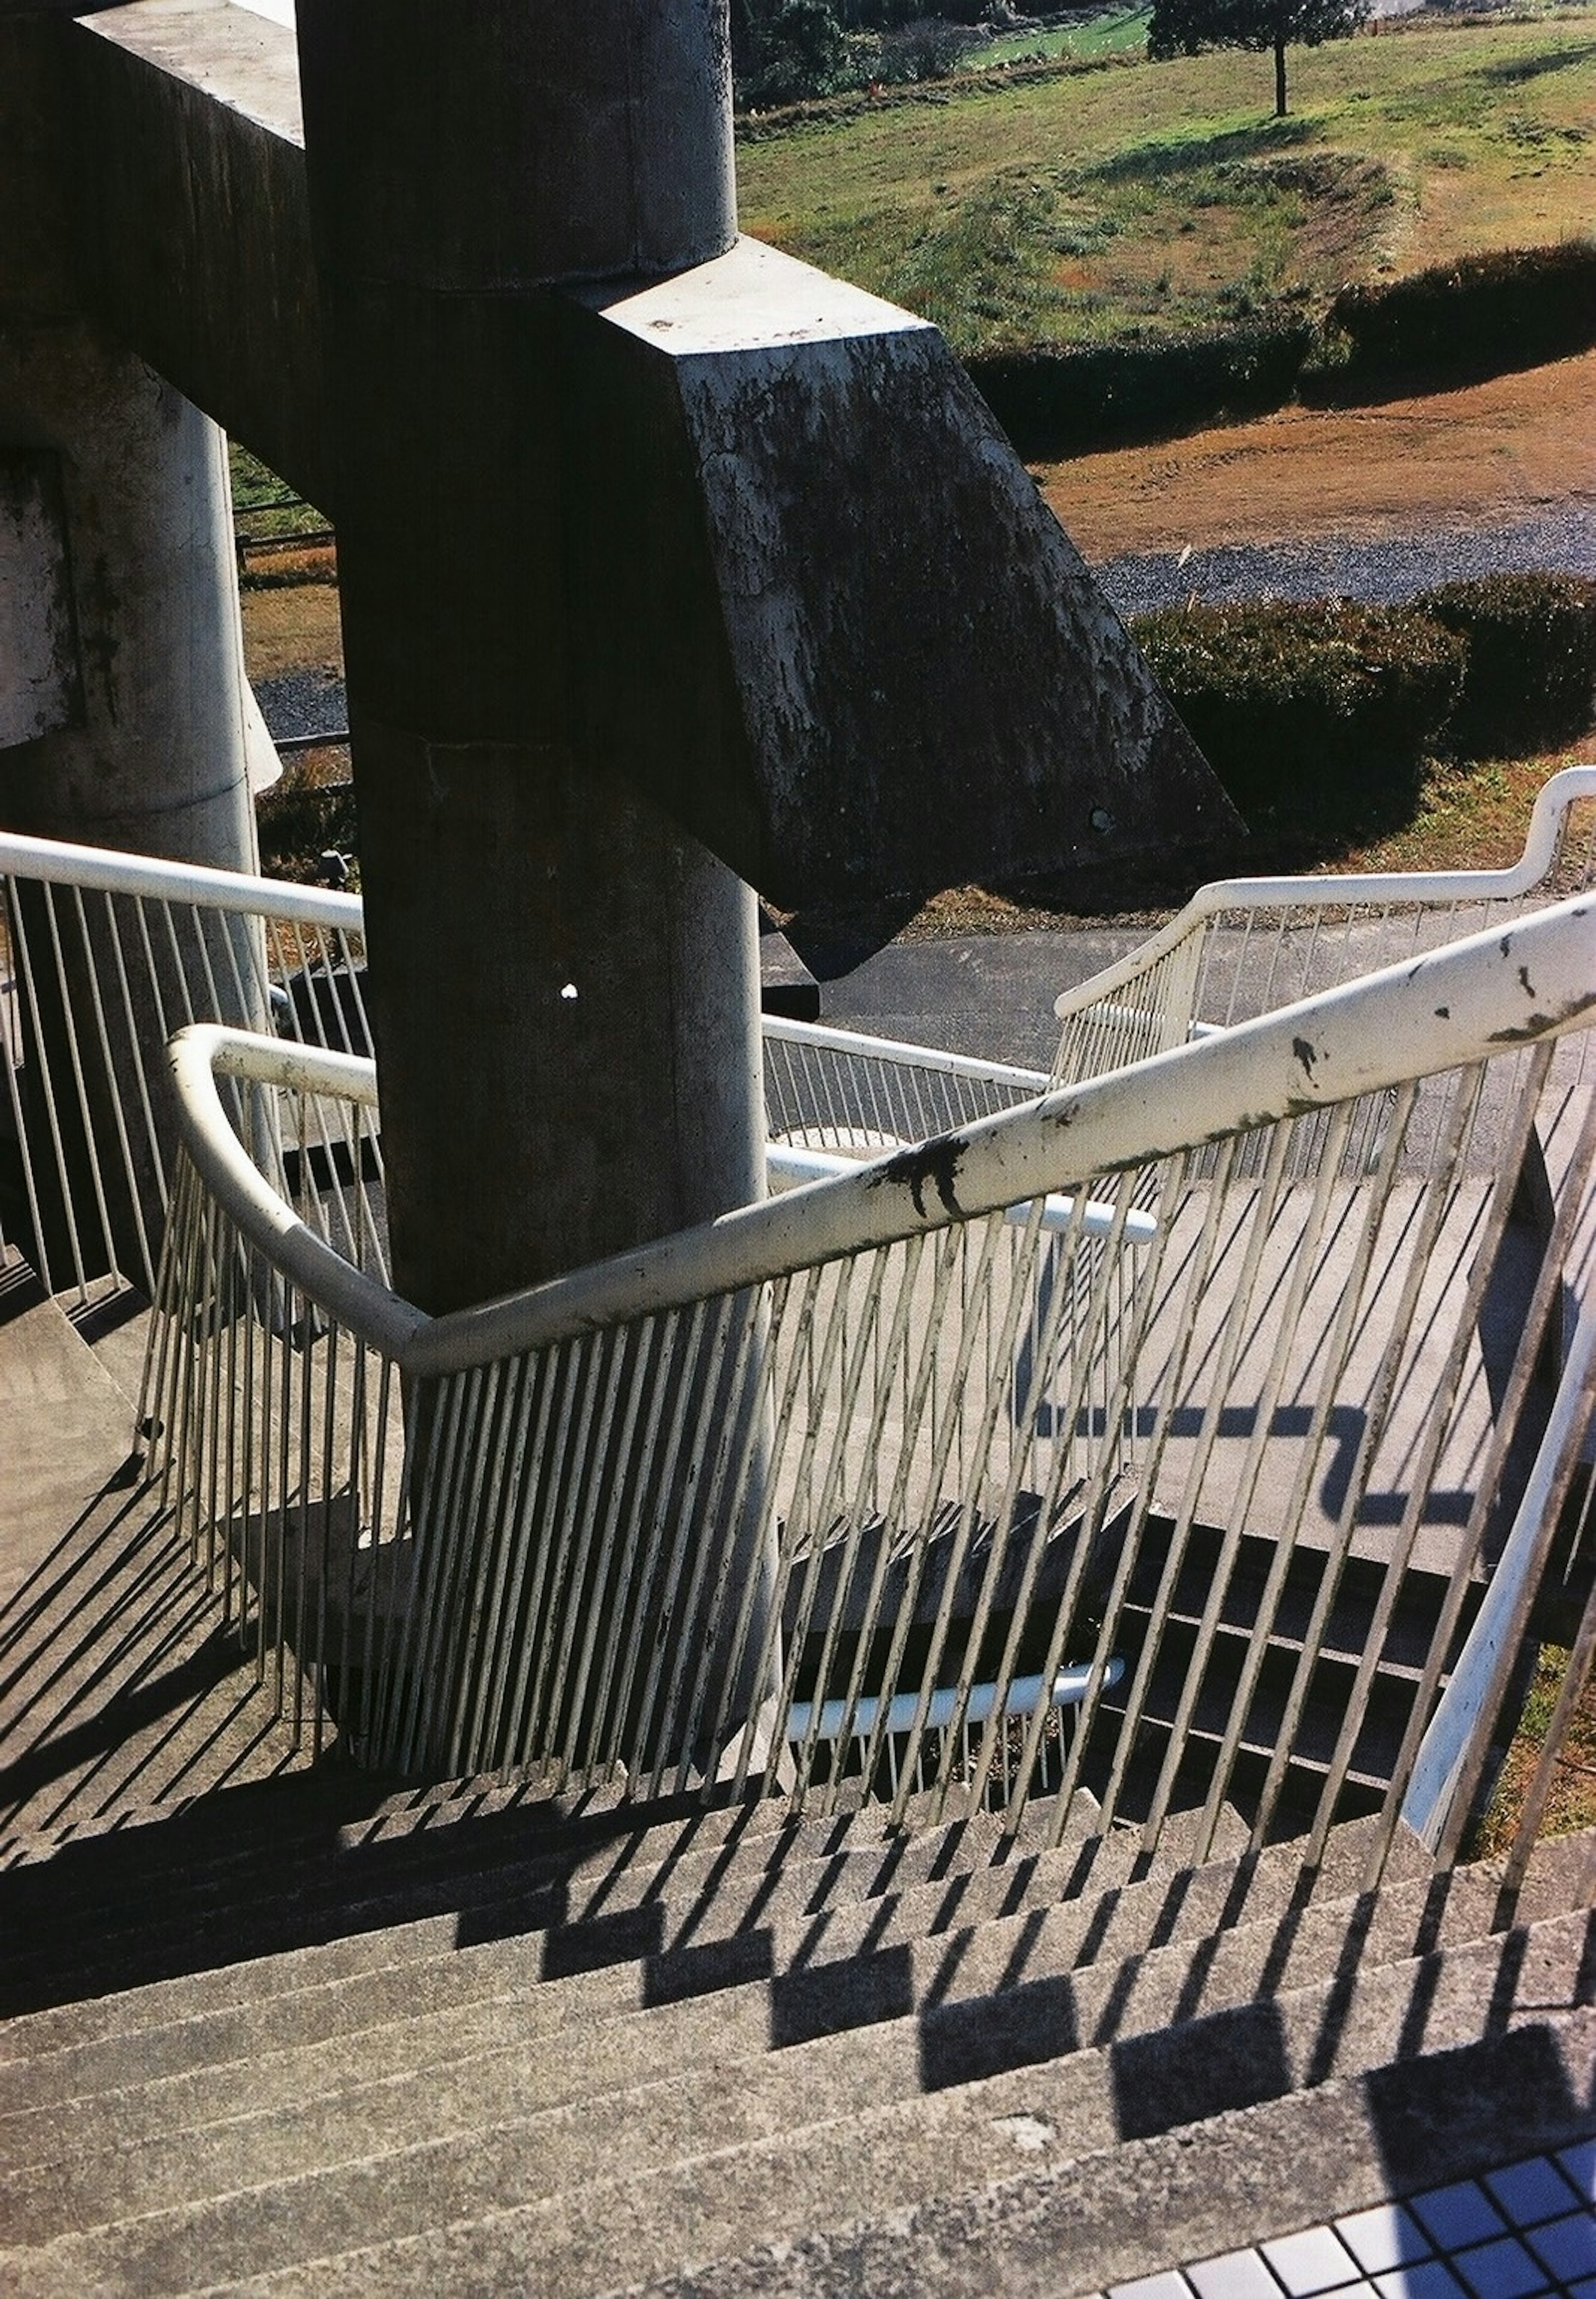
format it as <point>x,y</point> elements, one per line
<point>1567,2247</point>
<point>1237,2275</point>
<point>1528,2193</point>
<point>1315,2261</point>
<point>1429,2279</point>
<point>1167,2286</point>
<point>1387,2237</point>
<point>1457,2215</point>
<point>1502,2269</point>
<point>1579,2164</point>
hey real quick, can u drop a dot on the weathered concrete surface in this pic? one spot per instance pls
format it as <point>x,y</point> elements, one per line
<point>65,1426</point>
<point>197,219</point>
<point>815,607</point>
<point>156,760</point>
<point>595,147</point>
<point>846,642</point>
<point>38,652</point>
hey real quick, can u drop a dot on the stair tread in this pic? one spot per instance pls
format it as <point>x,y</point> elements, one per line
<point>307,2033</point>
<point>929,2015</point>
<point>431,2211</point>
<point>68,1426</point>
<point>627,1883</point>
<point>353,1984</point>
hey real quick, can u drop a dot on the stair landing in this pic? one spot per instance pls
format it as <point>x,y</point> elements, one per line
<point>121,1683</point>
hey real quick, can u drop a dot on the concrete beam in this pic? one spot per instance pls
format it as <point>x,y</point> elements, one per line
<point>756,635</point>
<point>196,225</point>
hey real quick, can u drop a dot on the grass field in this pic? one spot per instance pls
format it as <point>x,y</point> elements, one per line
<point>1145,198</point>
<point>1118,31</point>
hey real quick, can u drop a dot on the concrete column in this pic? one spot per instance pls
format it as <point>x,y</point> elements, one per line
<point>158,758</point>
<point>565,983</point>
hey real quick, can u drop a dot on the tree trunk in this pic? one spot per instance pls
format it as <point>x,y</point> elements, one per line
<point>1280,79</point>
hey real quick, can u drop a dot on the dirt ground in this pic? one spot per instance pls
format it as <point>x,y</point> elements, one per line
<point>1484,455</point>
<point>292,625</point>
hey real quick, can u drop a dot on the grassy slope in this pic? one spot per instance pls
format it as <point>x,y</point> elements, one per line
<point>1156,197</point>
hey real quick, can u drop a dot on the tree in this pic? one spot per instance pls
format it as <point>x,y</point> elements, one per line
<point>801,51</point>
<point>1184,28</point>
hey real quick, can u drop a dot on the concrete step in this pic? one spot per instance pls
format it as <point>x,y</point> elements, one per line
<point>114,1321</point>
<point>715,2159</point>
<point>1146,2206</point>
<point>294,2026</point>
<point>993,1997</point>
<point>119,1684</point>
<point>69,1427</point>
<point>820,1910</point>
<point>78,1928</point>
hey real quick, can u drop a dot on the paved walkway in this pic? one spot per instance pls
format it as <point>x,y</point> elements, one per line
<point>1527,2231</point>
<point>987,994</point>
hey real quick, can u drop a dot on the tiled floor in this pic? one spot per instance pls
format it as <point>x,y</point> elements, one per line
<point>1522,2232</point>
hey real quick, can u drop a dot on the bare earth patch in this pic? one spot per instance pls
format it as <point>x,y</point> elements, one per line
<point>290,605</point>
<point>1482,455</point>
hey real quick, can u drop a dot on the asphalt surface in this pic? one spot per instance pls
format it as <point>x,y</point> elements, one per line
<point>303,703</point>
<point>986,994</point>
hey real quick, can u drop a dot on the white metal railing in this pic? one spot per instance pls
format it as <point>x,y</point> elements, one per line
<point>1243,946</point>
<point>873,1442</point>
<point>103,956</point>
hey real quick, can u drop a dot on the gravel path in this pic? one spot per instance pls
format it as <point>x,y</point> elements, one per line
<point>303,703</point>
<point>1562,541</point>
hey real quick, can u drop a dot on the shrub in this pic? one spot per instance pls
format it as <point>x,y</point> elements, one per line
<point>1482,315</point>
<point>1323,708</point>
<point>802,51</point>
<point>1530,678</point>
<point>926,49</point>
<point>1063,401</point>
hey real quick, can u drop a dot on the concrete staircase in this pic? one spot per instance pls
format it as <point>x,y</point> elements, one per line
<point>272,2029</point>
<point>299,2038</point>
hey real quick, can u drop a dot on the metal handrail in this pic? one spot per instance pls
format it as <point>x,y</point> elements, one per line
<point>1446,1768</point>
<point>836,1720</point>
<point>858,1046</point>
<point>1364,889</point>
<point>1452,1006</point>
<point>102,869</point>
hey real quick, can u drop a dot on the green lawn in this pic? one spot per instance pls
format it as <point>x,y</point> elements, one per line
<point>1118,31</point>
<point>1146,198</point>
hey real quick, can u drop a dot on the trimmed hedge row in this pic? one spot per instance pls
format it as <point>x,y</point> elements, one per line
<point>1065,402</point>
<point>1482,316</point>
<point>1531,664</point>
<point>1327,708</point>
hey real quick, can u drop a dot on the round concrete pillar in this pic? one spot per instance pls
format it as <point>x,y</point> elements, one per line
<point>565,983</point>
<point>157,758</point>
<point>148,748</point>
